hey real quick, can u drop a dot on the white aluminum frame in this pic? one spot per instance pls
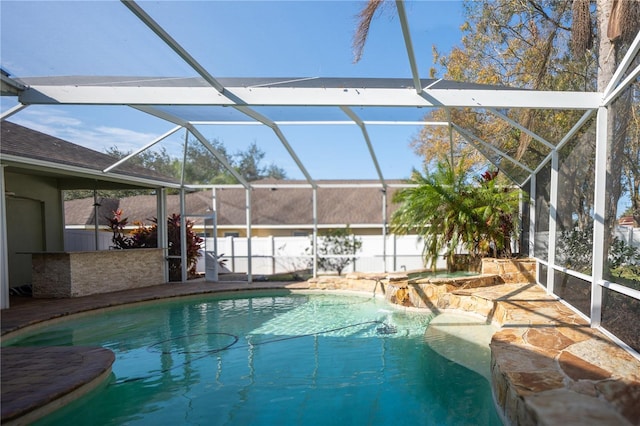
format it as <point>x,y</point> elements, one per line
<point>147,98</point>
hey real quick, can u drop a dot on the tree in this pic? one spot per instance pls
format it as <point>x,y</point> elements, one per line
<point>520,44</point>
<point>616,26</point>
<point>542,45</point>
<point>247,163</point>
<point>157,160</point>
<point>337,249</point>
<point>275,172</point>
<point>202,167</point>
<point>504,42</point>
<point>631,159</point>
<point>451,211</point>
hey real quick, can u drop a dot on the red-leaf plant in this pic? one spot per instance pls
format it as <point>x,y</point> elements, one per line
<point>147,237</point>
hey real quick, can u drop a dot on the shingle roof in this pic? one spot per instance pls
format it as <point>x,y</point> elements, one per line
<point>290,206</point>
<point>270,206</point>
<point>82,212</point>
<point>31,144</point>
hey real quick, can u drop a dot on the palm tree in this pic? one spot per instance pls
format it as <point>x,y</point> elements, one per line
<point>452,212</point>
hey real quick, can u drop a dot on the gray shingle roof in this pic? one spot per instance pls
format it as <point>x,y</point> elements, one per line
<point>270,207</point>
<point>30,144</point>
<point>81,211</point>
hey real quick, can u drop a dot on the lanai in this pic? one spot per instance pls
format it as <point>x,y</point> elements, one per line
<point>198,98</point>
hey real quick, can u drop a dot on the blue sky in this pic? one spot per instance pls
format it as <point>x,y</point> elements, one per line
<point>231,39</point>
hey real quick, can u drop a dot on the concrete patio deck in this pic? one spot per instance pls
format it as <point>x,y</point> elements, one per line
<point>548,366</point>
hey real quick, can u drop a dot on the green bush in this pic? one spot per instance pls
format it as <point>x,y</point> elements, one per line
<point>336,242</point>
<point>147,237</point>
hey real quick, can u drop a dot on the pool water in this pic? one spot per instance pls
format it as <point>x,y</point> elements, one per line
<point>270,359</point>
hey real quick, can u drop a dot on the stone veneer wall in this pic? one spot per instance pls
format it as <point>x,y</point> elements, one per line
<point>548,366</point>
<point>74,274</point>
<point>511,270</point>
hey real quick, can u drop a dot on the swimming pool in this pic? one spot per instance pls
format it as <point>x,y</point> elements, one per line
<point>270,358</point>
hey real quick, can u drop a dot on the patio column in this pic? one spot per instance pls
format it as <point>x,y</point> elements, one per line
<point>248,210</point>
<point>314,206</point>
<point>96,223</point>
<point>4,261</point>
<point>183,237</point>
<point>163,236</point>
<point>599,207</point>
<point>384,230</point>
<point>532,216</point>
<point>553,205</point>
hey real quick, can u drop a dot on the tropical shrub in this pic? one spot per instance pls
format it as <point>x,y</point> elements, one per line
<point>575,248</point>
<point>622,254</point>
<point>336,242</point>
<point>147,237</point>
<point>453,212</point>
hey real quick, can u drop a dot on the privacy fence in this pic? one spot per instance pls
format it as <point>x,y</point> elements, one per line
<point>278,255</point>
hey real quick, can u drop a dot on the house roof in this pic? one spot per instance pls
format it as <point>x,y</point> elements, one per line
<point>275,206</point>
<point>290,206</point>
<point>21,145</point>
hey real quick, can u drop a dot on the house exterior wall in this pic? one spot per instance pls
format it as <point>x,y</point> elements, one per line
<point>34,222</point>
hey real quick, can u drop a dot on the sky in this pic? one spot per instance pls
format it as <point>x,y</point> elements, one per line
<point>231,39</point>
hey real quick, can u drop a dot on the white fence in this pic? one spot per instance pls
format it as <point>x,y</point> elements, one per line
<point>85,240</point>
<point>628,234</point>
<point>276,255</point>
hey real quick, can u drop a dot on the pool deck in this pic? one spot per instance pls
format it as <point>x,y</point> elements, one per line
<point>548,366</point>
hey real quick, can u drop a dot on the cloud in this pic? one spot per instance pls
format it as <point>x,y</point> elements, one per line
<point>51,118</point>
<point>75,130</point>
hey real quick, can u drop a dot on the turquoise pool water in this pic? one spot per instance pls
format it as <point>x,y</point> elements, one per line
<point>270,359</point>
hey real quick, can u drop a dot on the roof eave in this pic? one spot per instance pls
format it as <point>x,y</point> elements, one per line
<point>76,171</point>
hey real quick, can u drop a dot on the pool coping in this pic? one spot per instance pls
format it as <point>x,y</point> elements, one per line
<point>44,379</point>
<point>548,366</point>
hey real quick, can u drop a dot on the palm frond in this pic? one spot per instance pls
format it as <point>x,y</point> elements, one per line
<point>362,32</point>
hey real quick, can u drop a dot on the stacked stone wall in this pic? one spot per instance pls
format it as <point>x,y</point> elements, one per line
<point>74,274</point>
<point>511,270</point>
